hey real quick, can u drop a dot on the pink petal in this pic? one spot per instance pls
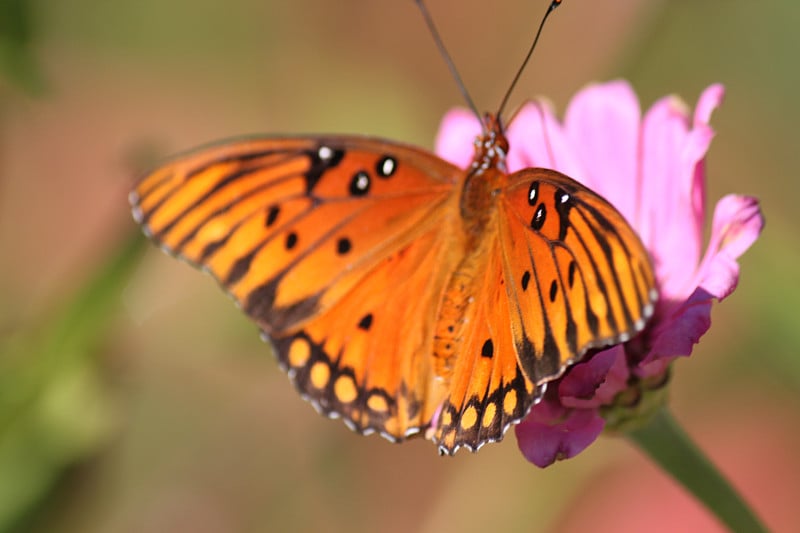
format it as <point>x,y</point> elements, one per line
<point>602,123</point>
<point>591,383</point>
<point>673,190</point>
<point>536,139</point>
<point>551,433</point>
<point>455,141</point>
<point>663,128</point>
<point>677,333</point>
<point>737,224</point>
<point>617,377</point>
<point>709,100</point>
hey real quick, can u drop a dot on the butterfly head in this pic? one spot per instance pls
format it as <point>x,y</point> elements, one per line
<point>491,146</point>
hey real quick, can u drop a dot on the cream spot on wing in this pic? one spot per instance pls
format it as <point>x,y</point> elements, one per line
<point>377,403</point>
<point>488,414</point>
<point>320,374</point>
<point>510,402</point>
<point>345,389</point>
<point>469,417</point>
<point>299,352</point>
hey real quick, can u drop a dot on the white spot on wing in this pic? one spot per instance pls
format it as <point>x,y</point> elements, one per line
<point>325,153</point>
<point>362,182</point>
<point>388,166</point>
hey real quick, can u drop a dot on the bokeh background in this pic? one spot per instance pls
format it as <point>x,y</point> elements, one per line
<point>135,397</point>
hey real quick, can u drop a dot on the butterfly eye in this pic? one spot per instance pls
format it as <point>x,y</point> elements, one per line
<point>359,185</point>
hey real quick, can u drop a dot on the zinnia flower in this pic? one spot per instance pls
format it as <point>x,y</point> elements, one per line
<point>652,169</point>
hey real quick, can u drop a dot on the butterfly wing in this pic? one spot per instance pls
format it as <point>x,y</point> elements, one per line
<point>588,281</point>
<point>563,273</point>
<point>346,251</point>
<point>335,248</point>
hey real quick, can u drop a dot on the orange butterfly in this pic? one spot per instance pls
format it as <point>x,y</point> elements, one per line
<point>400,292</point>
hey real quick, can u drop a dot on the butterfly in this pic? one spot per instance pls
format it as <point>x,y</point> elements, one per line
<point>401,293</point>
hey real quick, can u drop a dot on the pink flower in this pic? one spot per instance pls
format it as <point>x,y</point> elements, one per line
<point>652,169</point>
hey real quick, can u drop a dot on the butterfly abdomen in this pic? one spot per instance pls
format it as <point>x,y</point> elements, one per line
<point>450,322</point>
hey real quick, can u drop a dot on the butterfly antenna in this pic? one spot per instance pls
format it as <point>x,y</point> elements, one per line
<point>553,5</point>
<point>447,59</point>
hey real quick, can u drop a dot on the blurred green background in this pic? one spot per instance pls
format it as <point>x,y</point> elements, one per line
<point>135,397</point>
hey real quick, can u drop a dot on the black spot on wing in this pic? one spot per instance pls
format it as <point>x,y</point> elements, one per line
<point>563,203</point>
<point>488,349</point>
<point>291,240</point>
<point>533,193</point>
<point>360,184</point>
<point>386,166</point>
<point>343,246</point>
<point>320,165</point>
<point>272,215</point>
<point>539,217</point>
<point>366,322</point>
<point>571,274</point>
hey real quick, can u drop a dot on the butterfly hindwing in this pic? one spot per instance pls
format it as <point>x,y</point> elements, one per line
<point>368,358</point>
<point>488,391</point>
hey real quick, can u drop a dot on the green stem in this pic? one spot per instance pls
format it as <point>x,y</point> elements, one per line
<point>663,440</point>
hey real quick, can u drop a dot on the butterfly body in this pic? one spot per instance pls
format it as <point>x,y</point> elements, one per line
<point>400,292</point>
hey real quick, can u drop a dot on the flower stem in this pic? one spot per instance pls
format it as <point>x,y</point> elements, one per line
<point>663,440</point>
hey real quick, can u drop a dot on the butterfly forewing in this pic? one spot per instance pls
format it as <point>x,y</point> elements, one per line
<point>582,277</point>
<point>290,225</point>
